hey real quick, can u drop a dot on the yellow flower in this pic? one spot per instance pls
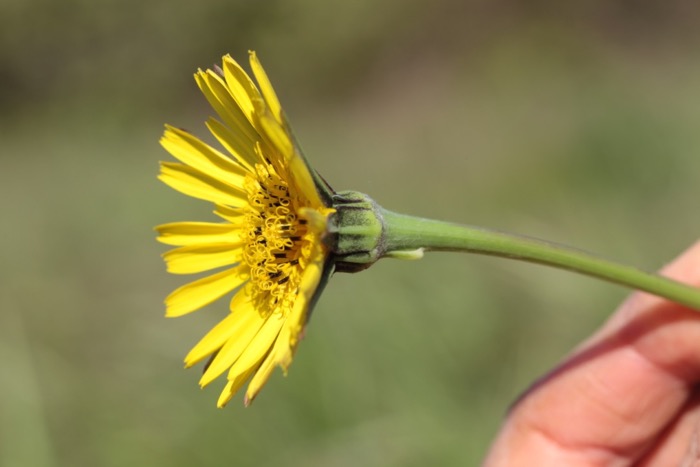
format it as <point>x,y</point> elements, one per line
<point>270,247</point>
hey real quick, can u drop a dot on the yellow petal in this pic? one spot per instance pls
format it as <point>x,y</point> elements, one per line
<point>266,88</point>
<point>302,180</point>
<point>194,183</point>
<point>213,340</point>
<point>198,233</point>
<point>285,345</point>
<point>249,324</point>
<point>201,156</point>
<point>234,143</point>
<point>234,215</point>
<point>201,292</point>
<point>219,334</point>
<point>276,135</point>
<point>258,347</point>
<point>220,98</point>
<point>307,289</point>
<point>192,259</point>
<point>279,138</point>
<point>241,86</point>
<point>233,386</point>
<point>281,355</point>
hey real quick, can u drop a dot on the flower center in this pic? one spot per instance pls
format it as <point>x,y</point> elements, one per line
<point>274,248</point>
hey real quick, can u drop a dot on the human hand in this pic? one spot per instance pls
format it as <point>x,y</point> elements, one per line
<point>628,396</point>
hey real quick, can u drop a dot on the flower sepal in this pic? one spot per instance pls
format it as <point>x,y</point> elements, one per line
<point>356,231</point>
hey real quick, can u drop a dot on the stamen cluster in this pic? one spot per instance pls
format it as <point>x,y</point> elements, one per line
<point>274,243</point>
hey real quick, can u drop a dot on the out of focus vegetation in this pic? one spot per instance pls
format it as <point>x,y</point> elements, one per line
<point>576,122</point>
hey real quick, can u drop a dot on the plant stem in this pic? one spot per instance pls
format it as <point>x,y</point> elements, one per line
<point>405,233</point>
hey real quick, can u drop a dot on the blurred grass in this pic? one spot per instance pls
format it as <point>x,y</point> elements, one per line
<point>576,125</point>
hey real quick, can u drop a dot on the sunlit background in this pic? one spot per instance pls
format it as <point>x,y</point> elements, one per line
<point>573,123</point>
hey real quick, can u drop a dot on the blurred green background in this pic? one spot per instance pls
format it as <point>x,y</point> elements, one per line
<point>575,122</point>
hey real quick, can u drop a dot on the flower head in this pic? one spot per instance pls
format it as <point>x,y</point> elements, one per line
<point>268,249</point>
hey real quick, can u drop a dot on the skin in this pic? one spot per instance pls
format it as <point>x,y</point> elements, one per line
<point>627,396</point>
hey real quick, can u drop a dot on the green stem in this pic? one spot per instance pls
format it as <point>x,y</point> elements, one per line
<point>405,233</point>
